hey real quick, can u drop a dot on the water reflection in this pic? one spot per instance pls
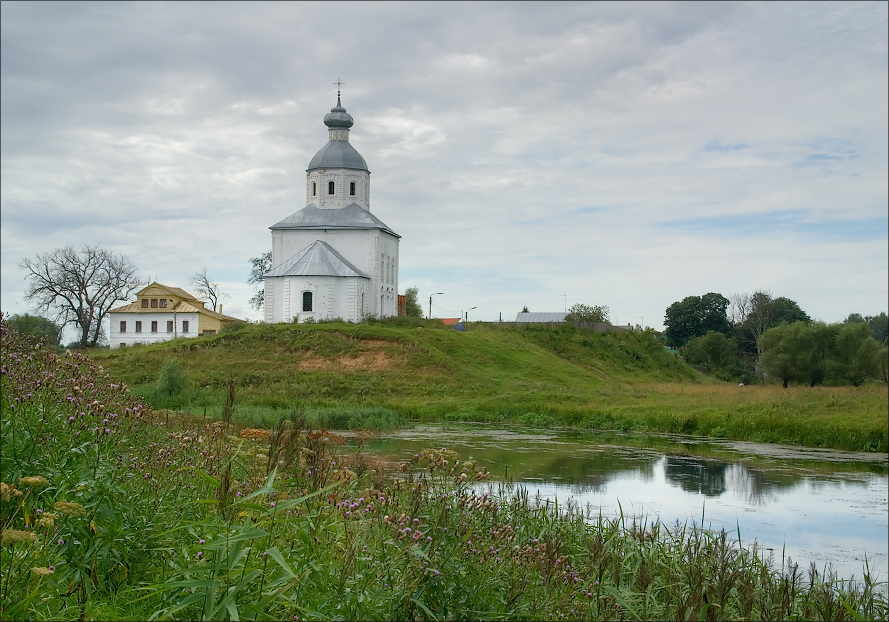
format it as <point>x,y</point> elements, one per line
<point>817,505</point>
<point>695,474</point>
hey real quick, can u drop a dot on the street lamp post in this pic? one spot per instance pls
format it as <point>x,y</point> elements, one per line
<point>466,315</point>
<point>430,303</point>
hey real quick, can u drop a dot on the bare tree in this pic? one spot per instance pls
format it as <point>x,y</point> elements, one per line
<point>207,287</point>
<point>739,307</point>
<point>80,287</point>
<point>258,267</point>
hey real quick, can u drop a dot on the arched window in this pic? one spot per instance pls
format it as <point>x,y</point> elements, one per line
<point>307,300</point>
<point>352,188</point>
<point>314,188</point>
<point>330,187</point>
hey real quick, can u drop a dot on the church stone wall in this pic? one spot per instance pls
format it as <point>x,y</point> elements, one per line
<point>332,297</point>
<point>341,179</point>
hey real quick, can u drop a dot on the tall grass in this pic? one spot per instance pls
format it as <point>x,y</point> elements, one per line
<point>112,512</point>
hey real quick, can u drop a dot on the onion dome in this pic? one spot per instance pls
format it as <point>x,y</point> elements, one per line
<point>338,118</point>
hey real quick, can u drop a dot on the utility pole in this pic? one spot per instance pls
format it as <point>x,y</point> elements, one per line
<point>430,302</point>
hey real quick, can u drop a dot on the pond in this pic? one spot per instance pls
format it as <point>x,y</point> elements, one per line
<point>811,505</point>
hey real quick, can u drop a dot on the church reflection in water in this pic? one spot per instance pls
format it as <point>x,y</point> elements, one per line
<point>713,478</point>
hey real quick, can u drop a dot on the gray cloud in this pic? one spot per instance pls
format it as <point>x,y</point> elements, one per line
<point>525,151</point>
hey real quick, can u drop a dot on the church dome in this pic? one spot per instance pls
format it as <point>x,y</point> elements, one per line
<point>338,154</point>
<point>338,117</point>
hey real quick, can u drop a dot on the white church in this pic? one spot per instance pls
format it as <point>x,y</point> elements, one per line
<point>333,258</point>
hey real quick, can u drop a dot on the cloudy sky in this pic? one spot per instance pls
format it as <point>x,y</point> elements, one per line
<point>538,154</point>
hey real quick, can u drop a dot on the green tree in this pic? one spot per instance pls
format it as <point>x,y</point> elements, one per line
<point>694,316</point>
<point>879,325</point>
<point>412,306</point>
<point>587,313</point>
<point>856,354</point>
<point>36,326</point>
<point>754,314</point>
<point>784,351</point>
<point>820,345</point>
<point>258,267</point>
<point>714,351</point>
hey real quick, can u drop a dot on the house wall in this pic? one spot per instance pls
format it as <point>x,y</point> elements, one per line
<point>130,337</point>
<point>207,322</point>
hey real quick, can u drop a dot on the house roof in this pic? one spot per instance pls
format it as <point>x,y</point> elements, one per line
<point>352,216</point>
<point>183,306</point>
<point>317,259</point>
<point>175,291</point>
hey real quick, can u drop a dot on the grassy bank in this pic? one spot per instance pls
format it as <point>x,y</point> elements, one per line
<point>535,376</point>
<point>113,512</point>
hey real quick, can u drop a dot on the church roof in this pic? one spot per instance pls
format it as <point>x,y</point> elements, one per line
<point>338,154</point>
<point>352,216</point>
<point>319,259</point>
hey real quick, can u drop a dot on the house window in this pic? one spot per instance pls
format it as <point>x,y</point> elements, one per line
<point>314,188</point>
<point>209,332</point>
<point>145,303</point>
<point>154,326</point>
<point>138,326</point>
<point>163,303</point>
<point>154,303</point>
<point>330,187</point>
<point>352,188</point>
<point>123,327</point>
<point>307,301</point>
<point>184,326</point>
<point>169,326</point>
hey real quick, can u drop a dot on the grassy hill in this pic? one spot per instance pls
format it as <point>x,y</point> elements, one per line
<point>492,372</point>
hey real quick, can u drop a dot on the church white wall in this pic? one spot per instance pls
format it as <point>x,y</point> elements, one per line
<point>341,179</point>
<point>385,275</point>
<point>116,338</point>
<point>333,297</point>
<point>356,246</point>
<point>372,251</point>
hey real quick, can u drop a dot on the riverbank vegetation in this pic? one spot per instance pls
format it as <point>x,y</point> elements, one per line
<point>112,511</point>
<point>494,373</point>
<point>750,337</point>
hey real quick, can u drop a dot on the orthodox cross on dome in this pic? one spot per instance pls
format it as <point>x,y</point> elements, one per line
<point>338,83</point>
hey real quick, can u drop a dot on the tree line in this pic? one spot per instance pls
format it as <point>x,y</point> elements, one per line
<point>751,337</point>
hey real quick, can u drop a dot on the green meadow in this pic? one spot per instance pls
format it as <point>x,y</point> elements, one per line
<point>380,374</point>
<point>114,510</point>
